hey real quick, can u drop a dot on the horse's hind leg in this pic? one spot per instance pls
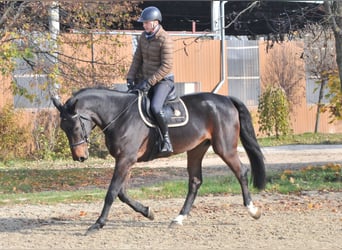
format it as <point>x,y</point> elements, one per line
<point>194,167</point>
<point>231,158</point>
<point>136,206</point>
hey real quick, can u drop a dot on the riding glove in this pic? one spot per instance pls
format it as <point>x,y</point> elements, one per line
<point>143,86</point>
<point>130,84</point>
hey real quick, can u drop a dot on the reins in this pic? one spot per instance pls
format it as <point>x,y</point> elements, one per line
<point>117,117</point>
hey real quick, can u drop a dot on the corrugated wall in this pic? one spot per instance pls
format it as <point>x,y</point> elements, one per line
<point>198,60</point>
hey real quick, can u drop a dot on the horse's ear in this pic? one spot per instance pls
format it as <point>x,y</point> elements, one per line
<point>72,105</point>
<point>57,103</point>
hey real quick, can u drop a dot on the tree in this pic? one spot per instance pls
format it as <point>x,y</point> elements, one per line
<point>28,47</point>
<point>319,56</point>
<point>334,17</point>
<point>281,71</point>
<point>290,23</point>
<point>24,28</point>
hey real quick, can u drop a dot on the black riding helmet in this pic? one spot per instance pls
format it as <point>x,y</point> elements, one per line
<point>150,14</point>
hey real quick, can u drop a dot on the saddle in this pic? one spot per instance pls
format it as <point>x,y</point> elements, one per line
<point>174,109</point>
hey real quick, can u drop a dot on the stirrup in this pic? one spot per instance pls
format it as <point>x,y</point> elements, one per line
<point>165,148</point>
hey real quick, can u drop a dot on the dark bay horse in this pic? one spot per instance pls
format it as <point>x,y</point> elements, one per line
<point>214,120</point>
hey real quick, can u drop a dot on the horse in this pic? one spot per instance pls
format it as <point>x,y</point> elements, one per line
<point>214,120</point>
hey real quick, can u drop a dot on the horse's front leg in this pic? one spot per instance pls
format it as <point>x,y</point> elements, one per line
<point>120,174</point>
<point>136,206</point>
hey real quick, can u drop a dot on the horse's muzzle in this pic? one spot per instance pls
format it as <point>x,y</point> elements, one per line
<point>80,153</point>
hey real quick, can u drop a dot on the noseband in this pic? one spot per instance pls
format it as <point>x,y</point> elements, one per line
<point>85,138</point>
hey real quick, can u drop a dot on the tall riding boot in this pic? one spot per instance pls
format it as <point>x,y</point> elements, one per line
<point>166,146</point>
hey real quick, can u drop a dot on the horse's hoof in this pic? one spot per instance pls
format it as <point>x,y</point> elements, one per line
<point>254,211</point>
<point>175,224</point>
<point>150,214</point>
<point>94,228</point>
<point>255,214</point>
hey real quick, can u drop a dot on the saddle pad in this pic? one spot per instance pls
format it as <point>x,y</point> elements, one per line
<point>175,112</point>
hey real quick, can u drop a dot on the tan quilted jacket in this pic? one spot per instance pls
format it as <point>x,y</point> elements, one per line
<point>153,58</point>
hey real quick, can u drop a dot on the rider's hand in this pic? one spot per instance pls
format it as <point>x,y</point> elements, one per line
<point>130,84</point>
<point>143,86</point>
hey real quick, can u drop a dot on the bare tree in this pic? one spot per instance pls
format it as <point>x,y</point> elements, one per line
<point>319,55</point>
<point>283,70</point>
<point>24,34</point>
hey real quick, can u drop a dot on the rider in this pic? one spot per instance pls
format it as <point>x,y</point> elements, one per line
<point>154,59</point>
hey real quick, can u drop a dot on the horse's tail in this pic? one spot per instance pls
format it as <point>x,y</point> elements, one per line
<point>250,143</point>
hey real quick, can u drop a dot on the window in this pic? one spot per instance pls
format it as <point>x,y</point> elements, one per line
<point>184,88</point>
<point>243,70</point>
<point>33,88</point>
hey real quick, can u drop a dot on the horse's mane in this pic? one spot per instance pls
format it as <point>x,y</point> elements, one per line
<point>97,91</point>
<point>81,91</point>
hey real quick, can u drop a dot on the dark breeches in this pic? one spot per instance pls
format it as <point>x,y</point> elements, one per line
<point>160,91</point>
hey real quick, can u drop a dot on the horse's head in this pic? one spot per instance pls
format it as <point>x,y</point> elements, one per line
<point>77,127</point>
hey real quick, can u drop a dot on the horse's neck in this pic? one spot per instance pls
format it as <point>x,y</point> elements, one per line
<point>107,109</point>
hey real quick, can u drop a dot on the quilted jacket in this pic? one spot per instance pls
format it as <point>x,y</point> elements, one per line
<point>153,57</point>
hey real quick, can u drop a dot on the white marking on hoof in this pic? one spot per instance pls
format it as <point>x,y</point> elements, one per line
<point>178,220</point>
<point>254,211</point>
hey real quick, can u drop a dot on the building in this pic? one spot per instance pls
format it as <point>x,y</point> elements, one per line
<point>235,65</point>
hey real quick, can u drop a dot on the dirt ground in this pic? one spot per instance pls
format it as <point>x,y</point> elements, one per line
<point>311,220</point>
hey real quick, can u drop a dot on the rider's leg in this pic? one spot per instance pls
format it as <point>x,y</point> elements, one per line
<point>160,93</point>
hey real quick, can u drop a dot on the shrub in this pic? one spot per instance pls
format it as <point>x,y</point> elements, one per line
<point>335,97</point>
<point>14,135</point>
<point>273,110</point>
<point>50,141</point>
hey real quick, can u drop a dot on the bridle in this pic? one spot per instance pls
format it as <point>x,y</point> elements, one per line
<point>84,135</point>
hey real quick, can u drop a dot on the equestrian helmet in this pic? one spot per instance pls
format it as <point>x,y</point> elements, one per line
<point>150,14</point>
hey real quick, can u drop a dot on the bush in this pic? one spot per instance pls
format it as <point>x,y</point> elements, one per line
<point>273,112</point>
<point>97,146</point>
<point>335,97</point>
<point>14,136</point>
<point>42,140</point>
<point>50,141</point>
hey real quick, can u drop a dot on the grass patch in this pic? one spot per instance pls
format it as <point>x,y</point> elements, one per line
<point>327,177</point>
<point>52,197</point>
<point>306,138</point>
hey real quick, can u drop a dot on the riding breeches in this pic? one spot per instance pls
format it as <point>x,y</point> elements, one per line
<point>160,91</point>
